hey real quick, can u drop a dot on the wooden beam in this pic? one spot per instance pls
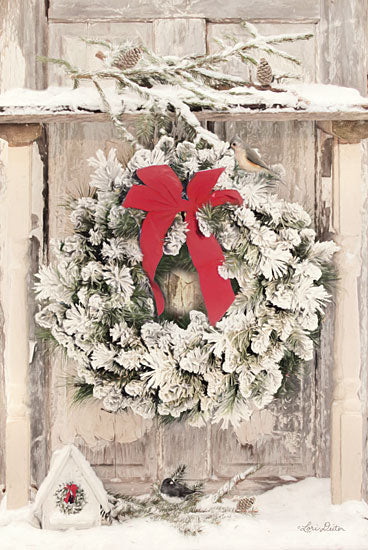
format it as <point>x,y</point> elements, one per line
<point>249,115</point>
<point>346,411</point>
<point>347,131</point>
<point>15,216</point>
<point>19,135</point>
<point>119,10</point>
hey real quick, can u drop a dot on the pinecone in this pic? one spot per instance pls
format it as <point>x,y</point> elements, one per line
<point>245,504</point>
<point>264,73</point>
<point>128,59</point>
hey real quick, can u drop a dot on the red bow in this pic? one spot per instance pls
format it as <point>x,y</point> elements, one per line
<point>71,489</point>
<point>161,198</point>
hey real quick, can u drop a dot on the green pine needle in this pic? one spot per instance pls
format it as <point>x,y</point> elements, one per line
<point>83,392</point>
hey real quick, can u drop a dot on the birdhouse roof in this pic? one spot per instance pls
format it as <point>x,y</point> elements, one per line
<point>59,460</point>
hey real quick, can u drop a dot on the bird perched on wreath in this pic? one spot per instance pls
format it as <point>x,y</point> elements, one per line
<point>248,159</point>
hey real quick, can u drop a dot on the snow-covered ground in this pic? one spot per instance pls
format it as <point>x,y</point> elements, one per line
<point>297,516</point>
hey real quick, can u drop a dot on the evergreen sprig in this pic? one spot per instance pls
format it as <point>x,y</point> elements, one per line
<point>202,83</point>
<point>189,516</point>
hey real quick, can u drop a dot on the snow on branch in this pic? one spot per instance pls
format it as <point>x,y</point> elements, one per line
<point>191,82</point>
<point>229,485</point>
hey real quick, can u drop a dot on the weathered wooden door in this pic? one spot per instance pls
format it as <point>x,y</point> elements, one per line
<point>291,436</point>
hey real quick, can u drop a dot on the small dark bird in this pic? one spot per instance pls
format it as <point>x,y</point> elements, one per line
<point>172,491</point>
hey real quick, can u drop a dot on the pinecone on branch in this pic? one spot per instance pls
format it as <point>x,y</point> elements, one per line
<point>245,504</point>
<point>264,73</point>
<point>128,58</point>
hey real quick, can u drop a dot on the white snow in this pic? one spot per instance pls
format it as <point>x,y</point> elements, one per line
<point>300,96</point>
<point>328,96</point>
<point>297,516</point>
<point>62,100</point>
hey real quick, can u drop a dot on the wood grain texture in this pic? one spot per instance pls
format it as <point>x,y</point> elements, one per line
<point>3,178</point>
<point>304,50</point>
<point>182,444</point>
<point>324,351</point>
<point>65,43</point>
<point>70,10</point>
<point>119,447</point>
<point>19,135</point>
<point>363,313</point>
<point>182,292</point>
<point>284,438</point>
<point>343,47</point>
<point>289,447</point>
<point>39,364</point>
<point>23,31</point>
<point>182,36</point>
<point>176,443</point>
<point>288,148</point>
<point>259,114</point>
<point>342,37</point>
<point>69,148</point>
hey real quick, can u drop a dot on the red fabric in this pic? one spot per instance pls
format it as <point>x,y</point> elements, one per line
<point>161,198</point>
<point>71,489</point>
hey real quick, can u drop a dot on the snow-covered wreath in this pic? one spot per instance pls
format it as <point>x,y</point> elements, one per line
<point>97,300</point>
<point>70,498</point>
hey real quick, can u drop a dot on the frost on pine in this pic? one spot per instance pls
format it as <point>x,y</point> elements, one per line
<point>96,300</point>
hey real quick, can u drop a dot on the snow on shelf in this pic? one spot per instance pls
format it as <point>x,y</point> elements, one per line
<point>294,102</point>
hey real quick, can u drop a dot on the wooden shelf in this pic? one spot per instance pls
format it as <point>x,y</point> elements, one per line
<point>279,115</point>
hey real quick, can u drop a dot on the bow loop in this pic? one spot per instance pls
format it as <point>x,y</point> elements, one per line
<point>200,186</point>
<point>161,198</point>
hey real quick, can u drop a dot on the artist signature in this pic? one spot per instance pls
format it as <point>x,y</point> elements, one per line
<point>327,526</point>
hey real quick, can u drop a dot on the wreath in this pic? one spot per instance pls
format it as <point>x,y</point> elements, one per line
<point>101,299</point>
<point>70,498</point>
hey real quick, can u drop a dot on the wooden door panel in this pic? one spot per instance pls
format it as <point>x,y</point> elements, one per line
<point>181,444</point>
<point>283,436</point>
<point>288,448</point>
<point>287,10</point>
<point>137,459</point>
<point>65,43</point>
<point>102,437</point>
<point>305,51</point>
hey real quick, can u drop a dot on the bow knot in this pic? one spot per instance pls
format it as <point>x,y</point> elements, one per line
<point>161,198</point>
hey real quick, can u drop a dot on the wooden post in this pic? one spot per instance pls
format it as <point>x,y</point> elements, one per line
<point>347,420</point>
<point>347,448</point>
<point>15,216</point>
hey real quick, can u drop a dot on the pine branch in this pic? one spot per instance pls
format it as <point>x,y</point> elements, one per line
<point>179,473</point>
<point>105,43</point>
<point>202,86</point>
<point>229,485</point>
<point>125,134</point>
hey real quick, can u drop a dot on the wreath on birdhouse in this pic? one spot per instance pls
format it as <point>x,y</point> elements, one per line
<point>263,277</point>
<point>70,498</point>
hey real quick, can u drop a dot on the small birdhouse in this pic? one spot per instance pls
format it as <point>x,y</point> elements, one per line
<point>71,495</point>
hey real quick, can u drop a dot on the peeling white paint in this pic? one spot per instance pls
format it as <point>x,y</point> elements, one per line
<point>12,60</point>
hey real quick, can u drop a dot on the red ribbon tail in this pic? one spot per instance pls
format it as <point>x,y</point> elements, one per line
<point>207,256</point>
<point>71,489</point>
